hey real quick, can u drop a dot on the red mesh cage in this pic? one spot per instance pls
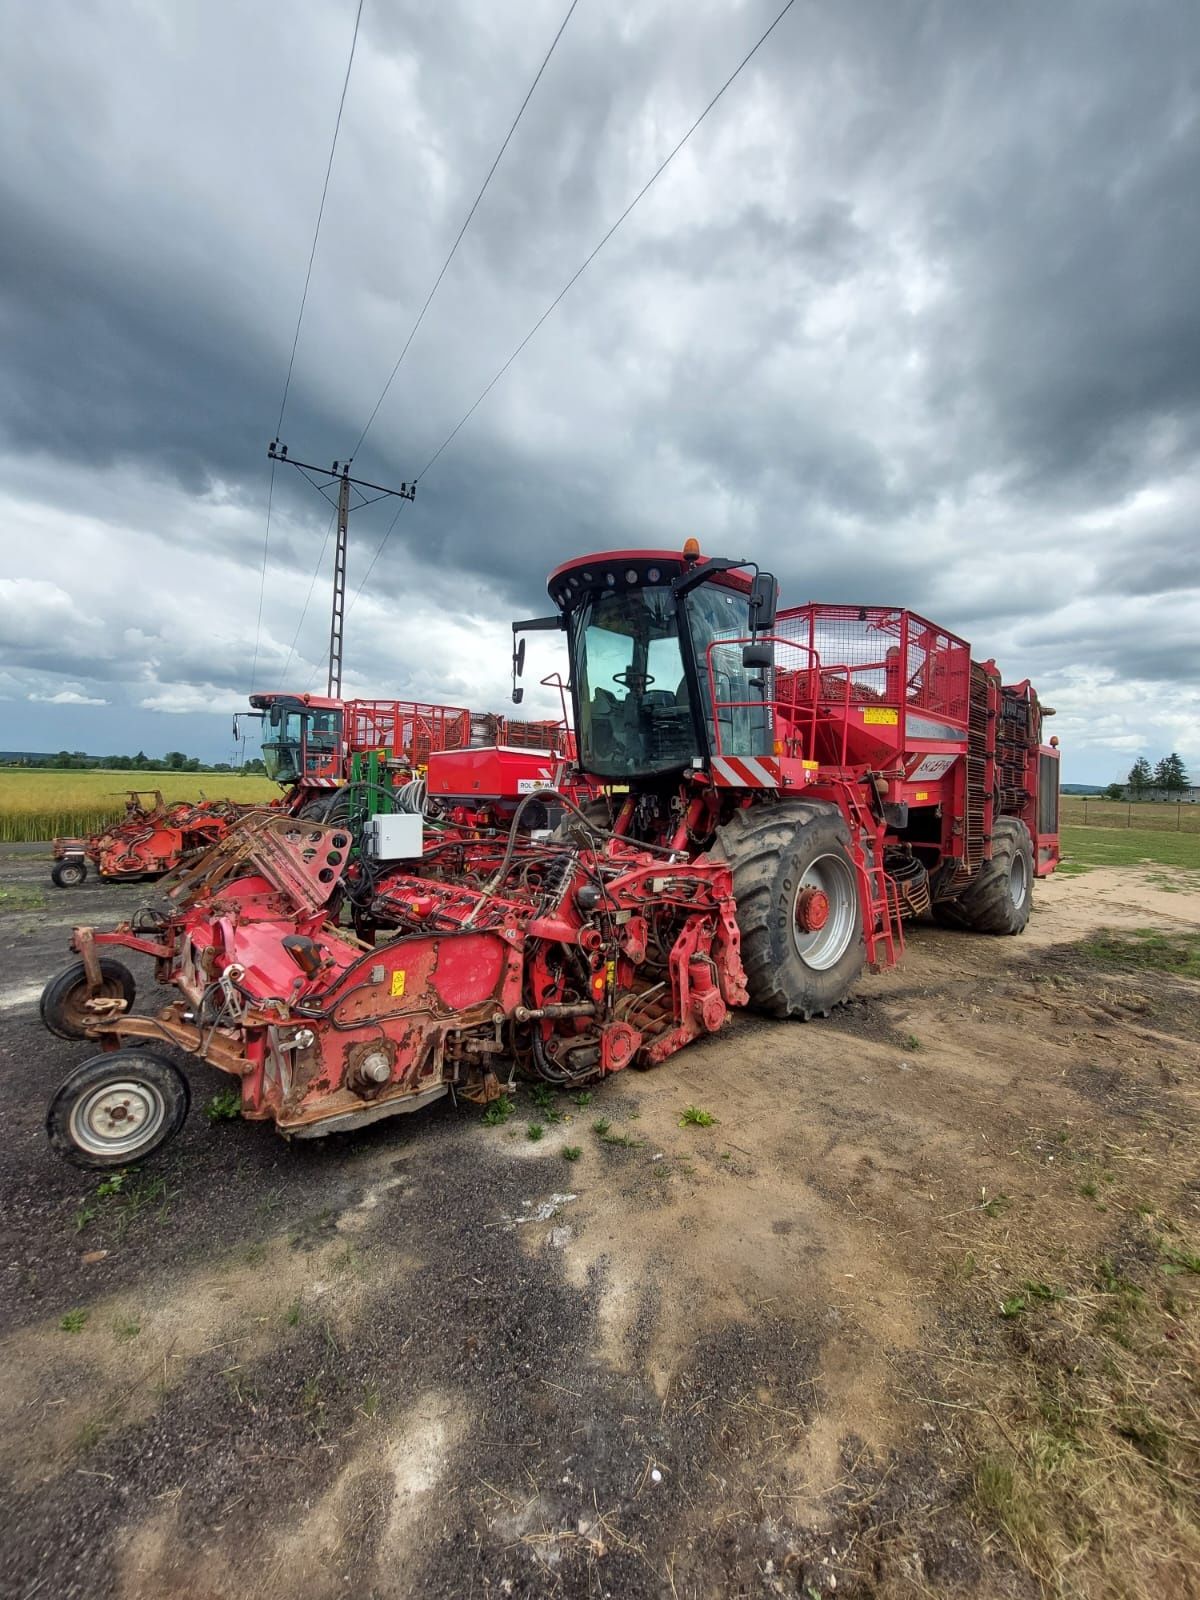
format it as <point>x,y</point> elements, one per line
<point>876,654</point>
<point>851,686</point>
<point>407,728</point>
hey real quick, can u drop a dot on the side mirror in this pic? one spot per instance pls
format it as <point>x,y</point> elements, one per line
<point>763,595</point>
<point>237,728</point>
<point>758,655</point>
<point>517,696</point>
<point>518,665</point>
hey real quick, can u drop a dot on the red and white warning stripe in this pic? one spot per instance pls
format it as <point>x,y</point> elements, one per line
<point>745,772</point>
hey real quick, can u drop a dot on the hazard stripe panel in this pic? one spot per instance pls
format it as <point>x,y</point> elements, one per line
<point>745,772</point>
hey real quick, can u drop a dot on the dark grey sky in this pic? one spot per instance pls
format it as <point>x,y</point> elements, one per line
<point>914,317</point>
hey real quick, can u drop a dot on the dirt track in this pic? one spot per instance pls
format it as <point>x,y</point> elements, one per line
<point>437,1358</point>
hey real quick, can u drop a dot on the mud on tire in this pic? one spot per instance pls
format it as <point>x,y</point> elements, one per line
<point>999,897</point>
<point>776,853</point>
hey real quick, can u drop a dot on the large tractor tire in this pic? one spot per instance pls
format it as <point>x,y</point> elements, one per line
<point>329,809</point>
<point>999,897</point>
<point>68,874</point>
<point>798,906</point>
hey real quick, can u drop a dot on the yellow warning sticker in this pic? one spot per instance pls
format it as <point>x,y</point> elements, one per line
<point>921,794</point>
<point>882,716</point>
<point>397,985</point>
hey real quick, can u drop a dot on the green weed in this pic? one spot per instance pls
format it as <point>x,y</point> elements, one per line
<point>73,1321</point>
<point>584,1097</point>
<point>694,1117</point>
<point>572,1152</point>
<point>498,1112</point>
<point>534,1131</point>
<point>224,1105</point>
<point>601,1126</point>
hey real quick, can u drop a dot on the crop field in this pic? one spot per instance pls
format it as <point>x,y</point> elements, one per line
<point>39,804</point>
<point>1151,816</point>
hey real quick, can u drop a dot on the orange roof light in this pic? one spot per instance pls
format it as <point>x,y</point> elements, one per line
<point>691,549</point>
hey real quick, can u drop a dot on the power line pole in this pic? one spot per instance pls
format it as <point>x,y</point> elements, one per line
<point>340,471</point>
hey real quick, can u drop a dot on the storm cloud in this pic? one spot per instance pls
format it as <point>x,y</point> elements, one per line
<point>913,318</point>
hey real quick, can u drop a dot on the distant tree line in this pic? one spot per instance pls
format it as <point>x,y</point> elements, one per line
<point>1166,780</point>
<point>173,761</point>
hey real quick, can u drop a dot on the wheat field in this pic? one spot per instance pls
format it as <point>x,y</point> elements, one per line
<point>39,804</point>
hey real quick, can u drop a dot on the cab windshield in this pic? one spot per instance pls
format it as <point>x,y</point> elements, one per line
<point>296,742</point>
<point>638,703</point>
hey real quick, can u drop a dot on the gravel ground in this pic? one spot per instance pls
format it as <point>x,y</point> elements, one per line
<point>437,1358</point>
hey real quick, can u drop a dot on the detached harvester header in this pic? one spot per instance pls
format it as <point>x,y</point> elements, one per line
<point>783,790</point>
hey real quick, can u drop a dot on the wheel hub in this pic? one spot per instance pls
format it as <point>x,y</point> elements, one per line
<point>812,910</point>
<point>116,1118</point>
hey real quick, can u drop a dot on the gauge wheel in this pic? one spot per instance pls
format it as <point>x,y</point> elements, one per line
<point>117,1109</point>
<point>68,874</point>
<point>64,999</point>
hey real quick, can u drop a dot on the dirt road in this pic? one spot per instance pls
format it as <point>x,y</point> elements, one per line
<point>781,1354</point>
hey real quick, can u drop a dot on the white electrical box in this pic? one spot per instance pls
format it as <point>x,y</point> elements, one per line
<point>400,837</point>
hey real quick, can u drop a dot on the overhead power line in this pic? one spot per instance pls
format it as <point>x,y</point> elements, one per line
<point>287,382</point>
<point>312,254</point>
<point>466,224</point>
<point>575,277</point>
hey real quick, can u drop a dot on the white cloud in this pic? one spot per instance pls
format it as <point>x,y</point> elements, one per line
<point>69,697</point>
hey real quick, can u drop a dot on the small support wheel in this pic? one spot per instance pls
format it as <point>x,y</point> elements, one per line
<point>117,1108</point>
<point>64,1005</point>
<point>68,874</point>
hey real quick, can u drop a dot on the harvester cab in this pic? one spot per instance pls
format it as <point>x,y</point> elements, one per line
<point>303,738</point>
<point>666,670</point>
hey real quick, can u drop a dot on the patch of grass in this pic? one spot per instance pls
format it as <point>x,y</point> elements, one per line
<point>1147,949</point>
<point>125,1328</point>
<point>601,1126</point>
<point>293,1315</point>
<point>1088,1190</point>
<point>1180,1260</point>
<point>572,1152</point>
<point>91,1431</point>
<point>22,897</point>
<point>534,1131</point>
<point>694,1117</point>
<point>1131,847</point>
<point>623,1140</point>
<point>73,1321</point>
<point>123,1198</point>
<point>994,1205</point>
<point>224,1105</point>
<point>498,1112</point>
<point>910,1042</point>
<point>1030,1293</point>
<point>584,1097</point>
<point>370,1400</point>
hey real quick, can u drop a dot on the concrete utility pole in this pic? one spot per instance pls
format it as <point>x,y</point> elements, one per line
<point>340,471</point>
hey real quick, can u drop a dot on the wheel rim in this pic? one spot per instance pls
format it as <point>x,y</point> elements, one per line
<point>117,1118</point>
<point>822,948</point>
<point>1018,880</point>
<point>72,874</point>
